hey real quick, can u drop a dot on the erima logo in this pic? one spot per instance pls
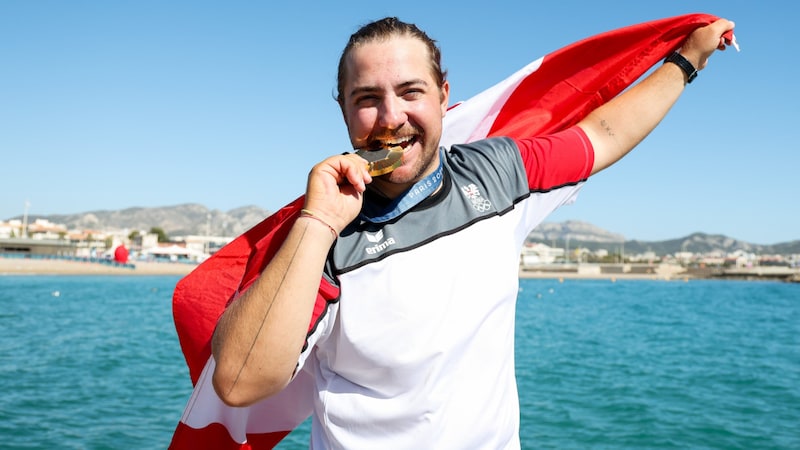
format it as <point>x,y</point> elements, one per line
<point>379,246</point>
<point>377,237</point>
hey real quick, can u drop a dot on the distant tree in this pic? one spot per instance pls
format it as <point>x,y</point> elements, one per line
<point>162,236</point>
<point>134,234</point>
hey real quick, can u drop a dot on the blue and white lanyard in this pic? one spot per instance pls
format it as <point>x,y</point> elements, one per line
<point>408,199</point>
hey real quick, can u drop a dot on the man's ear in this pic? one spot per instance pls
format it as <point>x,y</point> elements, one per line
<point>445,96</point>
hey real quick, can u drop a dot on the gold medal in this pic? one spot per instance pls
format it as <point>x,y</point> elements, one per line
<point>382,160</point>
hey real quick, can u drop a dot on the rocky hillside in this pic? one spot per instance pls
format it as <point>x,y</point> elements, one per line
<point>576,230</point>
<point>195,219</point>
<point>708,243</point>
<point>582,234</point>
<point>178,220</point>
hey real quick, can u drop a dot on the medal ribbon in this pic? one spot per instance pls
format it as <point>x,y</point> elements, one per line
<point>407,200</point>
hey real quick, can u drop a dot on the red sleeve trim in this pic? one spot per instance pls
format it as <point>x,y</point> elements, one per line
<point>557,159</point>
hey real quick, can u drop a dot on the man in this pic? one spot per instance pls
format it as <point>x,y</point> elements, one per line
<point>416,350</point>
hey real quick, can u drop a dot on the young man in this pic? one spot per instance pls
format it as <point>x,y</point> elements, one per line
<point>416,350</point>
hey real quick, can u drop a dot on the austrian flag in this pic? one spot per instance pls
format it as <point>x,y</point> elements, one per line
<point>548,95</point>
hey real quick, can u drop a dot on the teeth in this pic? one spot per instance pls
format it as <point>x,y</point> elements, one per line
<point>401,142</point>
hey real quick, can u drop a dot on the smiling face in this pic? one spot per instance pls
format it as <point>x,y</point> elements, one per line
<point>391,97</point>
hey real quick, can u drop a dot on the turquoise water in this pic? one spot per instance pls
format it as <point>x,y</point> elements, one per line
<point>94,363</point>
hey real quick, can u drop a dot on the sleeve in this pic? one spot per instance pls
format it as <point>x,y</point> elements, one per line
<point>556,160</point>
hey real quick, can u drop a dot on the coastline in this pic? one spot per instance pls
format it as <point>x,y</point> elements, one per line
<point>781,274</point>
<point>566,275</point>
<point>28,266</point>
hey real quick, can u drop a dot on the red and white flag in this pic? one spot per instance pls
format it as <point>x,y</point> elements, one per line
<point>550,94</point>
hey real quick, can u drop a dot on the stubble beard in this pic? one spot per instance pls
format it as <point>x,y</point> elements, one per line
<point>421,166</point>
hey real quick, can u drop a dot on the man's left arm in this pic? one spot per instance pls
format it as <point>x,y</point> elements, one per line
<point>617,127</point>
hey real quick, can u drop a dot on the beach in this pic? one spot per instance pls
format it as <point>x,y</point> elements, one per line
<point>28,266</point>
<point>38,266</point>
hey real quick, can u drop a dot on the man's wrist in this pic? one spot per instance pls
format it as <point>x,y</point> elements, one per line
<point>307,213</point>
<point>687,67</point>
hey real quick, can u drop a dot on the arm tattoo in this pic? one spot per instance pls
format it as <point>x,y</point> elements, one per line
<point>606,127</point>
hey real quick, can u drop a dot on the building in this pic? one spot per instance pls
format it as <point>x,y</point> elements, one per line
<point>27,247</point>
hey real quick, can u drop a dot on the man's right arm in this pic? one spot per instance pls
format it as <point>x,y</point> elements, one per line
<point>260,335</point>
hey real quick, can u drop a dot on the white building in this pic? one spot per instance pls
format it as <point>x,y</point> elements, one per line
<point>538,253</point>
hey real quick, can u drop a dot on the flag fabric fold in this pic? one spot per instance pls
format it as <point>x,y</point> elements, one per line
<point>548,95</point>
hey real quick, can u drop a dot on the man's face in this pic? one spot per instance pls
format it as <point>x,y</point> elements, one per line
<point>391,97</point>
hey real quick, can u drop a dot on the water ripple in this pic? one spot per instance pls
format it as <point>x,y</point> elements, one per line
<point>625,365</point>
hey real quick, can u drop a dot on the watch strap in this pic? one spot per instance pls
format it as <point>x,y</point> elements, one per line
<point>687,67</point>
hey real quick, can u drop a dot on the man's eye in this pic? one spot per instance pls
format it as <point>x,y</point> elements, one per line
<point>366,100</point>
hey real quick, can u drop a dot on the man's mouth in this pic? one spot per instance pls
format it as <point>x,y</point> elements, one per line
<point>383,156</point>
<point>403,143</point>
<point>382,161</point>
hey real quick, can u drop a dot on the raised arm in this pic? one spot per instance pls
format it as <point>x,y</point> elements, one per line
<point>618,126</point>
<point>259,337</point>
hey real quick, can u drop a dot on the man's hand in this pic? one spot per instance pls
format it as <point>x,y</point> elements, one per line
<point>702,43</point>
<point>335,189</point>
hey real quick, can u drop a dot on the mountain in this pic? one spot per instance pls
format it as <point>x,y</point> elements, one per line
<point>582,234</point>
<point>576,231</point>
<point>195,219</point>
<point>709,243</point>
<point>178,220</point>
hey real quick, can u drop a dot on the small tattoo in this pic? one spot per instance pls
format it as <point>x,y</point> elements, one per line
<point>606,127</point>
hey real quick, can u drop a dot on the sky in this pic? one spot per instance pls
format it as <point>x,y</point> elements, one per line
<point>112,105</point>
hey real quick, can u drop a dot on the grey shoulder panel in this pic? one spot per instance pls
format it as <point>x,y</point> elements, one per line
<point>483,179</point>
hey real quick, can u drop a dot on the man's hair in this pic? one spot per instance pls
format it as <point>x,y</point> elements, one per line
<point>384,29</point>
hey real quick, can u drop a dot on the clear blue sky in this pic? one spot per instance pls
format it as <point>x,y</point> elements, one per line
<point>110,105</point>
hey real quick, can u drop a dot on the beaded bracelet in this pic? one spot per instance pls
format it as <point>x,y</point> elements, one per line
<point>310,214</point>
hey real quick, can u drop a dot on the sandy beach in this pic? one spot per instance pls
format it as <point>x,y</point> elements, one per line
<point>26,266</point>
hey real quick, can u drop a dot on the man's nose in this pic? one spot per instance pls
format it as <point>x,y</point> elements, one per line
<point>392,114</point>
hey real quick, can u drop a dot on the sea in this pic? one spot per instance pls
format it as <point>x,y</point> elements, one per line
<point>93,362</point>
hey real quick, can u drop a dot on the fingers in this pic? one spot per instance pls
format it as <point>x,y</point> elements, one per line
<point>728,38</point>
<point>342,170</point>
<point>335,186</point>
<point>722,33</point>
<point>354,171</point>
<point>722,25</point>
<point>705,40</point>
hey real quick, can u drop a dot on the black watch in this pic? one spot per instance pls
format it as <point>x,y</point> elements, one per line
<point>678,59</point>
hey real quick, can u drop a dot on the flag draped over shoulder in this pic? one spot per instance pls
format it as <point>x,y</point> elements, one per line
<point>550,94</point>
